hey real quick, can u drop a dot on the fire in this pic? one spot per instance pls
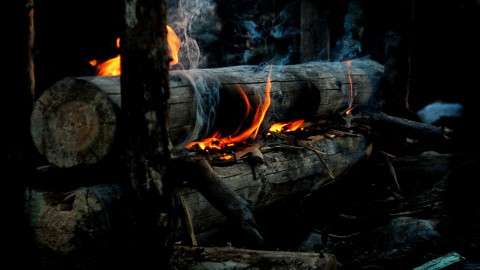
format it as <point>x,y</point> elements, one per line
<point>111,67</point>
<point>286,127</point>
<point>173,45</point>
<point>350,100</point>
<point>217,142</point>
<point>349,111</point>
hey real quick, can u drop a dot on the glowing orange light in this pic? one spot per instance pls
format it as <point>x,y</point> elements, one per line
<point>111,67</point>
<point>350,100</point>
<point>286,127</point>
<point>349,111</point>
<point>215,142</point>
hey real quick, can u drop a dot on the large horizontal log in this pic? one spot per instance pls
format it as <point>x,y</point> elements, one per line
<point>285,174</point>
<point>75,122</point>
<point>77,223</point>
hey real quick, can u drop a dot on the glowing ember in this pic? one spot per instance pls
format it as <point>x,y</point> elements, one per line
<point>215,142</point>
<point>173,45</point>
<point>286,127</point>
<point>349,111</point>
<point>111,67</point>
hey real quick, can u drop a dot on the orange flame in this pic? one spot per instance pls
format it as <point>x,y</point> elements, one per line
<point>216,142</point>
<point>111,67</point>
<point>349,111</point>
<point>173,45</point>
<point>286,127</point>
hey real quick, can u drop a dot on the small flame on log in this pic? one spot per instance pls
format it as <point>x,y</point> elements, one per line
<point>350,97</point>
<point>286,127</point>
<point>111,67</point>
<point>216,142</point>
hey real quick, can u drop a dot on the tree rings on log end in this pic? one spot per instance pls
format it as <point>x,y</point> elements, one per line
<point>73,122</point>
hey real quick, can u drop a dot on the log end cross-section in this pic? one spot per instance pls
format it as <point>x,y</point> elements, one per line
<point>73,125</point>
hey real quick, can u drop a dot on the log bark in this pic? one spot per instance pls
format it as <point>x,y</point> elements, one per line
<point>286,174</point>
<point>74,121</point>
<point>222,258</point>
<point>218,193</point>
<point>76,228</point>
<point>144,134</point>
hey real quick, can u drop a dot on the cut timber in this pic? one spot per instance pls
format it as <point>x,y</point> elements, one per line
<point>73,122</point>
<point>286,173</point>
<point>223,258</point>
<point>76,227</point>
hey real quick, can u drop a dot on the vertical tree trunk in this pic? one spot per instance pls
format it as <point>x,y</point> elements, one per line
<point>145,92</point>
<point>16,146</point>
<point>315,29</point>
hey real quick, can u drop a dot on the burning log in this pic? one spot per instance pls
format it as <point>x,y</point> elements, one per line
<point>229,257</point>
<point>75,120</point>
<point>287,172</point>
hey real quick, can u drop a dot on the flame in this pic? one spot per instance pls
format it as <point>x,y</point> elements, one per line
<point>217,142</point>
<point>349,111</point>
<point>173,45</point>
<point>350,101</point>
<point>286,127</point>
<point>111,67</point>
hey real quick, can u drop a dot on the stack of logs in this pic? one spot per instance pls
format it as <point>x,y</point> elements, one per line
<point>75,124</point>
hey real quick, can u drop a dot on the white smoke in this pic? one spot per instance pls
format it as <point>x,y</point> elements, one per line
<point>193,20</point>
<point>207,97</point>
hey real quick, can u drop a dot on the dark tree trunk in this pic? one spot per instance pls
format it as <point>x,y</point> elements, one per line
<point>398,62</point>
<point>16,147</point>
<point>145,94</point>
<point>315,29</point>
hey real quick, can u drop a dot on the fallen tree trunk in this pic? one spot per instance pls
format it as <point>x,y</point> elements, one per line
<point>223,258</point>
<point>75,120</point>
<point>286,173</point>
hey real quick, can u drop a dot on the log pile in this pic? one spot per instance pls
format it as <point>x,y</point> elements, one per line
<point>75,123</point>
